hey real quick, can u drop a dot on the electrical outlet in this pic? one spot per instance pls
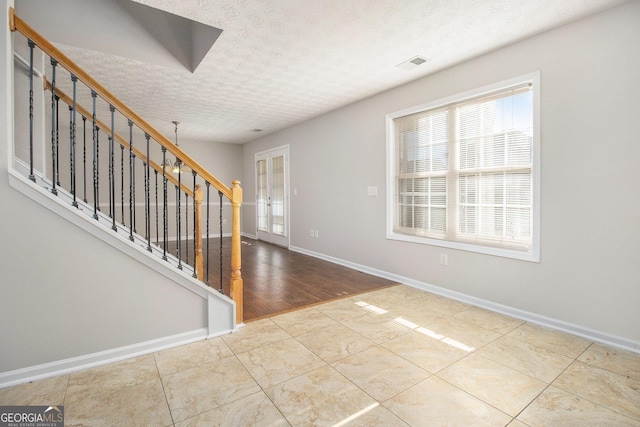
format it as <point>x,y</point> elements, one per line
<point>317,234</point>
<point>444,259</point>
<point>311,233</point>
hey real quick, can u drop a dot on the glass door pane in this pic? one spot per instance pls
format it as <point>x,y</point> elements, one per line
<point>277,196</point>
<point>261,195</point>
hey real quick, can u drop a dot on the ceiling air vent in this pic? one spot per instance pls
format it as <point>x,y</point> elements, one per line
<point>412,63</point>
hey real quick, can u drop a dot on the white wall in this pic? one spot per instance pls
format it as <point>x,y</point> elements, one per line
<point>589,274</point>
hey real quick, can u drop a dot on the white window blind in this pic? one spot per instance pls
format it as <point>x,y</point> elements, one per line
<point>464,171</point>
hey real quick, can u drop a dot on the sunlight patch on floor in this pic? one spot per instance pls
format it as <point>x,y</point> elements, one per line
<point>371,307</point>
<point>400,322</point>
<point>356,415</point>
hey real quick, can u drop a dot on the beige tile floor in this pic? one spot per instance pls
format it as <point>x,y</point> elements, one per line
<point>393,357</point>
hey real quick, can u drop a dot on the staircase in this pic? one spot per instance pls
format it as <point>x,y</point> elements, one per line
<point>84,155</point>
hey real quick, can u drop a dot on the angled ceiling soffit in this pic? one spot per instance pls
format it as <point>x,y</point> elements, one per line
<point>123,28</point>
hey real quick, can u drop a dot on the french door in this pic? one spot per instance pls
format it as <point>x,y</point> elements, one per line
<point>272,196</point>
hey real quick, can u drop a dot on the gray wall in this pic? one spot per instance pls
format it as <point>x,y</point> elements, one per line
<point>225,162</point>
<point>589,274</point>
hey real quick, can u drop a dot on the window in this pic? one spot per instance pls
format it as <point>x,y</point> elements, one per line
<point>463,172</point>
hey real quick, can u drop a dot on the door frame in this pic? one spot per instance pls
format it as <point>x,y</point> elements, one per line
<point>285,240</point>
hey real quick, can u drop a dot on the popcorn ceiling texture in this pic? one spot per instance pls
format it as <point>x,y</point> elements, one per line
<point>280,62</point>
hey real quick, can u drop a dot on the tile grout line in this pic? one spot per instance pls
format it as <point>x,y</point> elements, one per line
<point>616,411</point>
<point>550,383</point>
<point>475,397</point>
<point>164,390</point>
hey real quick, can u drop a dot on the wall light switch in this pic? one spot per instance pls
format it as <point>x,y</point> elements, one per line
<point>372,190</point>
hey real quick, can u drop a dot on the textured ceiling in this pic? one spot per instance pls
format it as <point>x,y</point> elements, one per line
<point>279,62</point>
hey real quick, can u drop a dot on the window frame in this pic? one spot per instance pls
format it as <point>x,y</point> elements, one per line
<point>533,254</point>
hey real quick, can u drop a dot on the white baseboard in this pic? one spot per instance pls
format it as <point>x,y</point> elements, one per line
<point>590,334</point>
<point>65,366</point>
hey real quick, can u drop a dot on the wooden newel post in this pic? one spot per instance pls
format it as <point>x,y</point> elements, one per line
<point>197,196</point>
<point>236,263</point>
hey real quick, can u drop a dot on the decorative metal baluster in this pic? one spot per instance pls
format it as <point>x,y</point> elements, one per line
<point>58,140</point>
<point>53,126</point>
<point>97,177</point>
<point>165,232</point>
<point>31,44</point>
<point>157,226</point>
<point>220,196</point>
<point>95,158</point>
<point>208,253</point>
<point>71,147</point>
<point>179,221</point>
<point>110,174</point>
<point>146,200</point>
<point>130,180</point>
<point>112,171</point>
<point>122,183</point>
<point>133,203</point>
<point>195,228</point>
<point>186,226</point>
<point>74,79</point>
<point>147,191</point>
<point>84,158</point>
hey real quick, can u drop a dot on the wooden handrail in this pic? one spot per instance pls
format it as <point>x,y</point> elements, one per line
<point>103,127</point>
<point>17,24</point>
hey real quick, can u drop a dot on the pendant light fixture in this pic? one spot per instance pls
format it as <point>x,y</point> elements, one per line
<point>177,165</point>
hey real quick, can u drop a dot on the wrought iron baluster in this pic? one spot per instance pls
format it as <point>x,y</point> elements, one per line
<point>71,146</point>
<point>53,126</point>
<point>97,176</point>
<point>179,221</point>
<point>146,201</point>
<point>31,44</point>
<point>95,158</point>
<point>130,180</point>
<point>84,158</point>
<point>165,232</point>
<point>133,203</point>
<point>220,197</point>
<point>157,226</point>
<point>57,140</point>
<point>177,190</point>
<point>74,79</point>
<point>112,172</point>
<point>186,226</point>
<point>195,228</point>
<point>147,191</point>
<point>208,253</point>
<point>122,183</point>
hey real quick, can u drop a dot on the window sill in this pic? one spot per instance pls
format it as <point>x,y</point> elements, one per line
<point>533,255</point>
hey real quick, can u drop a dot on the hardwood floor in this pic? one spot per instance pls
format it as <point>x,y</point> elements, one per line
<point>277,280</point>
